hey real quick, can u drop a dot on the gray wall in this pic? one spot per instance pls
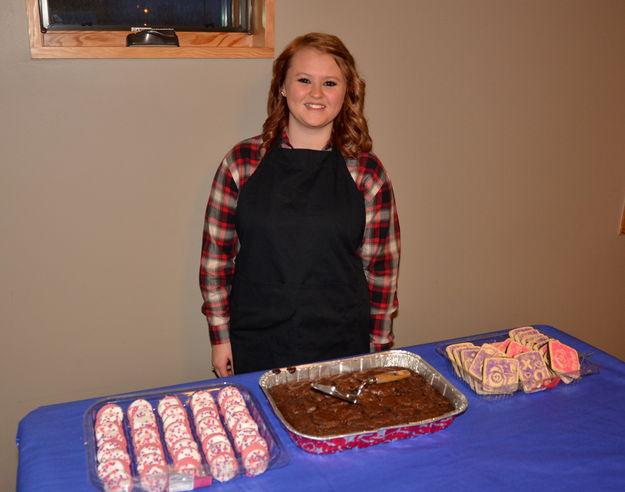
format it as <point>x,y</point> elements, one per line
<point>500,122</point>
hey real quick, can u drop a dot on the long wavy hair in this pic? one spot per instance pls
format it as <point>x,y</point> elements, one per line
<point>350,132</point>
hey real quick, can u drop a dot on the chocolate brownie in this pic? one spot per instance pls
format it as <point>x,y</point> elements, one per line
<point>396,403</point>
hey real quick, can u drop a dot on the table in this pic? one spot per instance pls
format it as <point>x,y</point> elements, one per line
<point>569,438</point>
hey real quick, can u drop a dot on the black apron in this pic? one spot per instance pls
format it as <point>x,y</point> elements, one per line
<point>299,292</point>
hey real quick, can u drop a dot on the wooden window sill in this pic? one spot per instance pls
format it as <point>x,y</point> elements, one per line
<point>112,44</point>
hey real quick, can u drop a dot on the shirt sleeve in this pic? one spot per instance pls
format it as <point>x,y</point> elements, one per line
<point>219,249</point>
<point>380,250</point>
<point>220,243</point>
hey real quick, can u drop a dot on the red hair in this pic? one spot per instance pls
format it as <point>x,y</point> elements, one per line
<point>350,132</point>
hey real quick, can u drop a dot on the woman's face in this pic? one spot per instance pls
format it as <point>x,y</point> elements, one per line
<point>314,88</point>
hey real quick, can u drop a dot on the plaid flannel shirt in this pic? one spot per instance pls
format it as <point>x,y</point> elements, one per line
<point>379,251</point>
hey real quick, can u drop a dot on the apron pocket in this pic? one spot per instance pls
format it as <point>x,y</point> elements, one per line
<point>334,320</point>
<point>255,306</point>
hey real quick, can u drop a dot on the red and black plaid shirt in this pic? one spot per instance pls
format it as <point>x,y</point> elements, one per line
<point>379,251</point>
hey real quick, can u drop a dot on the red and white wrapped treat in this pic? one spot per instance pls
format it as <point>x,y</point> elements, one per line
<point>204,413</point>
<point>139,405</point>
<point>208,426</point>
<point>142,419</point>
<point>183,444</point>
<point>119,454</point>
<point>177,431</point>
<point>115,476</point>
<point>244,436</point>
<point>106,431</point>
<point>147,461</point>
<point>148,433</point>
<point>167,402</point>
<point>174,413</point>
<point>110,412</point>
<point>202,399</point>
<point>227,392</point>
<point>109,446</point>
<point>154,479</point>
<point>224,467</point>
<point>255,458</point>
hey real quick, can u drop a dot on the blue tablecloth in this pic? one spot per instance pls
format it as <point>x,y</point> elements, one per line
<point>569,438</point>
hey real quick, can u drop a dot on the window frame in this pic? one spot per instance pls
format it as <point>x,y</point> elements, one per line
<point>112,44</point>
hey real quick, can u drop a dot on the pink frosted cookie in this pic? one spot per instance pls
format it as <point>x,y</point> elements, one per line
<point>255,458</point>
<point>486,350</point>
<point>204,413</point>
<point>155,448</point>
<point>154,479</point>
<point>564,360</point>
<point>174,413</point>
<point>500,375</point>
<point>146,461</point>
<point>188,466</point>
<point>183,444</point>
<point>110,412</point>
<point>532,371</point>
<point>106,431</point>
<point>210,439</point>
<point>503,345</point>
<point>115,475</point>
<point>139,405</point>
<point>515,348</point>
<point>143,418</point>
<point>146,436</point>
<point>202,399</point>
<point>227,393</point>
<point>108,446</point>
<point>167,402</point>
<point>224,467</point>
<point>119,454</point>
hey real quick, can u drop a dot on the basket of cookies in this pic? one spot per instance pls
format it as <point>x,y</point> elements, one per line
<point>522,359</point>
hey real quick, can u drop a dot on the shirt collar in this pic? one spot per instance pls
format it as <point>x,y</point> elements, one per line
<point>286,144</point>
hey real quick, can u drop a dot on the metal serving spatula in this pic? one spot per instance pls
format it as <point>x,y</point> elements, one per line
<point>352,397</point>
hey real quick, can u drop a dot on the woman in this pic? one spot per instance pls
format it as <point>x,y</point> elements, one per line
<point>301,241</point>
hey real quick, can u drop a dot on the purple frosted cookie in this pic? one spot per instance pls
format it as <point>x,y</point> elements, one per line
<point>516,333</point>
<point>451,350</point>
<point>486,350</point>
<point>500,375</point>
<point>532,370</point>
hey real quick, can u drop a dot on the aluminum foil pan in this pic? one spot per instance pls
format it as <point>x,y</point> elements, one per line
<point>392,358</point>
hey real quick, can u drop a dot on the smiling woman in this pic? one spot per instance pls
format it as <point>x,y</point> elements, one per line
<point>300,249</point>
<point>314,89</point>
<point>205,28</point>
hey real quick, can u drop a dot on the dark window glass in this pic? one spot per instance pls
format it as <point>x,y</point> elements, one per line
<point>183,15</point>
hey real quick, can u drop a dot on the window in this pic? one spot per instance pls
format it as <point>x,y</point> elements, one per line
<point>123,15</point>
<point>205,28</point>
